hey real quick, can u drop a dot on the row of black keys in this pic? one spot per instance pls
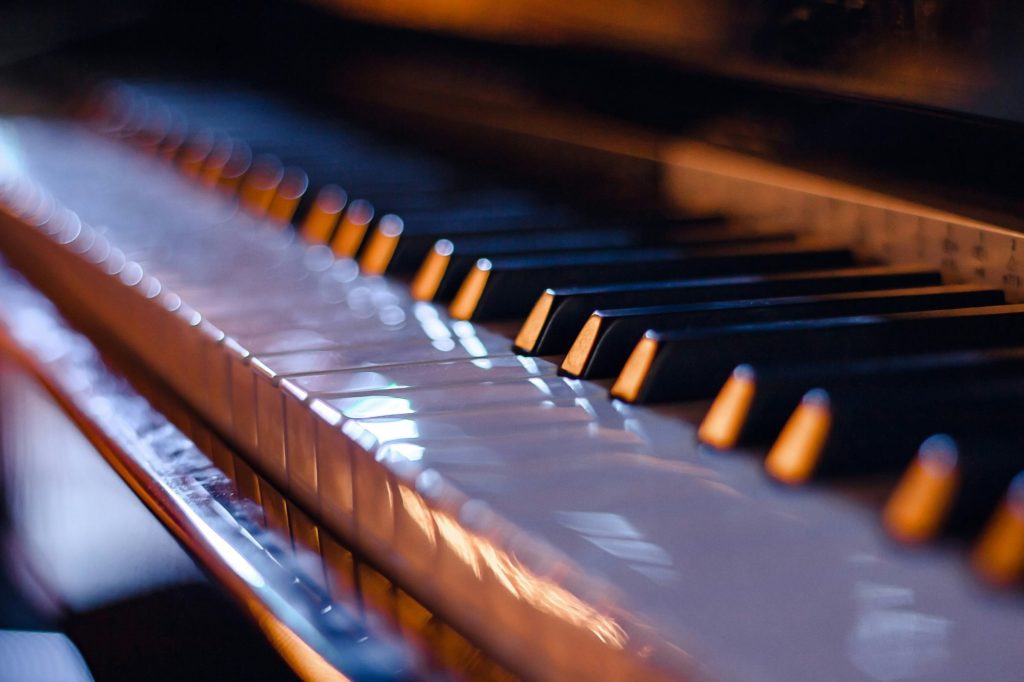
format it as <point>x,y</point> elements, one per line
<point>674,308</point>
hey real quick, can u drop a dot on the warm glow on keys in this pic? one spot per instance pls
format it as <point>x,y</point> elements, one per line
<point>151,136</point>
<point>795,454</point>
<point>193,156</point>
<point>293,186</point>
<point>215,163</point>
<point>633,375</point>
<point>724,421</point>
<point>919,505</point>
<point>355,221</point>
<point>377,255</point>
<point>529,333</point>
<point>171,145</point>
<point>999,554</point>
<point>428,277</point>
<point>238,164</point>
<point>466,299</point>
<point>259,186</point>
<point>323,215</point>
<point>579,353</point>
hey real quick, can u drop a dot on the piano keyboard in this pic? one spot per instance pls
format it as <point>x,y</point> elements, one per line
<point>364,362</point>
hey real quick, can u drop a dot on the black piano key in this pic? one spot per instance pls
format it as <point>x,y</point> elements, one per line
<point>465,200</point>
<point>194,153</point>
<point>952,486</point>
<point>234,169</point>
<point>258,187</point>
<point>320,217</point>
<point>429,210</point>
<point>693,364</point>
<point>352,227</point>
<point>289,196</point>
<point>409,249</point>
<point>319,211</point>
<point>448,262</point>
<point>558,314</point>
<point>402,251</point>
<point>323,147</point>
<point>216,161</point>
<point>849,431</point>
<point>998,555</point>
<point>505,288</point>
<point>174,140</point>
<point>756,400</point>
<point>609,336</point>
<point>154,128</point>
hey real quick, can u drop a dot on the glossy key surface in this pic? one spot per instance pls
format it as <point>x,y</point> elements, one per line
<point>605,539</point>
<point>693,364</point>
<point>508,287</point>
<point>609,335</point>
<point>559,313</point>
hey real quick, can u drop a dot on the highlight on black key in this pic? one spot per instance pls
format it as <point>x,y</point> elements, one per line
<point>920,504</point>
<point>723,423</point>
<point>796,453</point>
<point>322,218</point>
<point>998,556</point>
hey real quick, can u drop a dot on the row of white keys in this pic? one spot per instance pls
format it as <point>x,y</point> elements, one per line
<point>368,494</point>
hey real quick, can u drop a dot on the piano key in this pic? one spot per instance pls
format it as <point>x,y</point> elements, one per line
<point>289,339</point>
<point>541,391</point>
<point>238,163</point>
<point>755,401</point>
<point>461,202</point>
<point>401,248</point>
<point>194,154</point>
<point>952,486</point>
<point>506,451</point>
<point>411,202</point>
<point>483,422</point>
<point>258,187</point>
<point>216,161</point>
<point>608,336</point>
<point>998,555</point>
<point>322,217</point>
<point>174,141</point>
<point>448,263</point>
<point>154,128</point>
<point>253,380</point>
<point>847,430</point>
<point>445,266</point>
<point>506,288</point>
<point>693,364</point>
<point>400,376</point>
<point>558,314</point>
<point>289,196</point>
<point>351,230</point>
<point>376,354</point>
<point>317,143</point>
<point>501,420</point>
<point>431,386</point>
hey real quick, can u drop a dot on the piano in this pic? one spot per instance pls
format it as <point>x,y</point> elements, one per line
<point>668,340</point>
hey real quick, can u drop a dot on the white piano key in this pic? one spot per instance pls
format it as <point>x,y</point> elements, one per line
<point>242,387</point>
<point>268,410</point>
<point>213,363</point>
<point>334,473</point>
<point>399,375</point>
<point>300,446</point>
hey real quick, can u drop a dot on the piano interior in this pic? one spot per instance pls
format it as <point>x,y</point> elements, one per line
<point>671,339</point>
